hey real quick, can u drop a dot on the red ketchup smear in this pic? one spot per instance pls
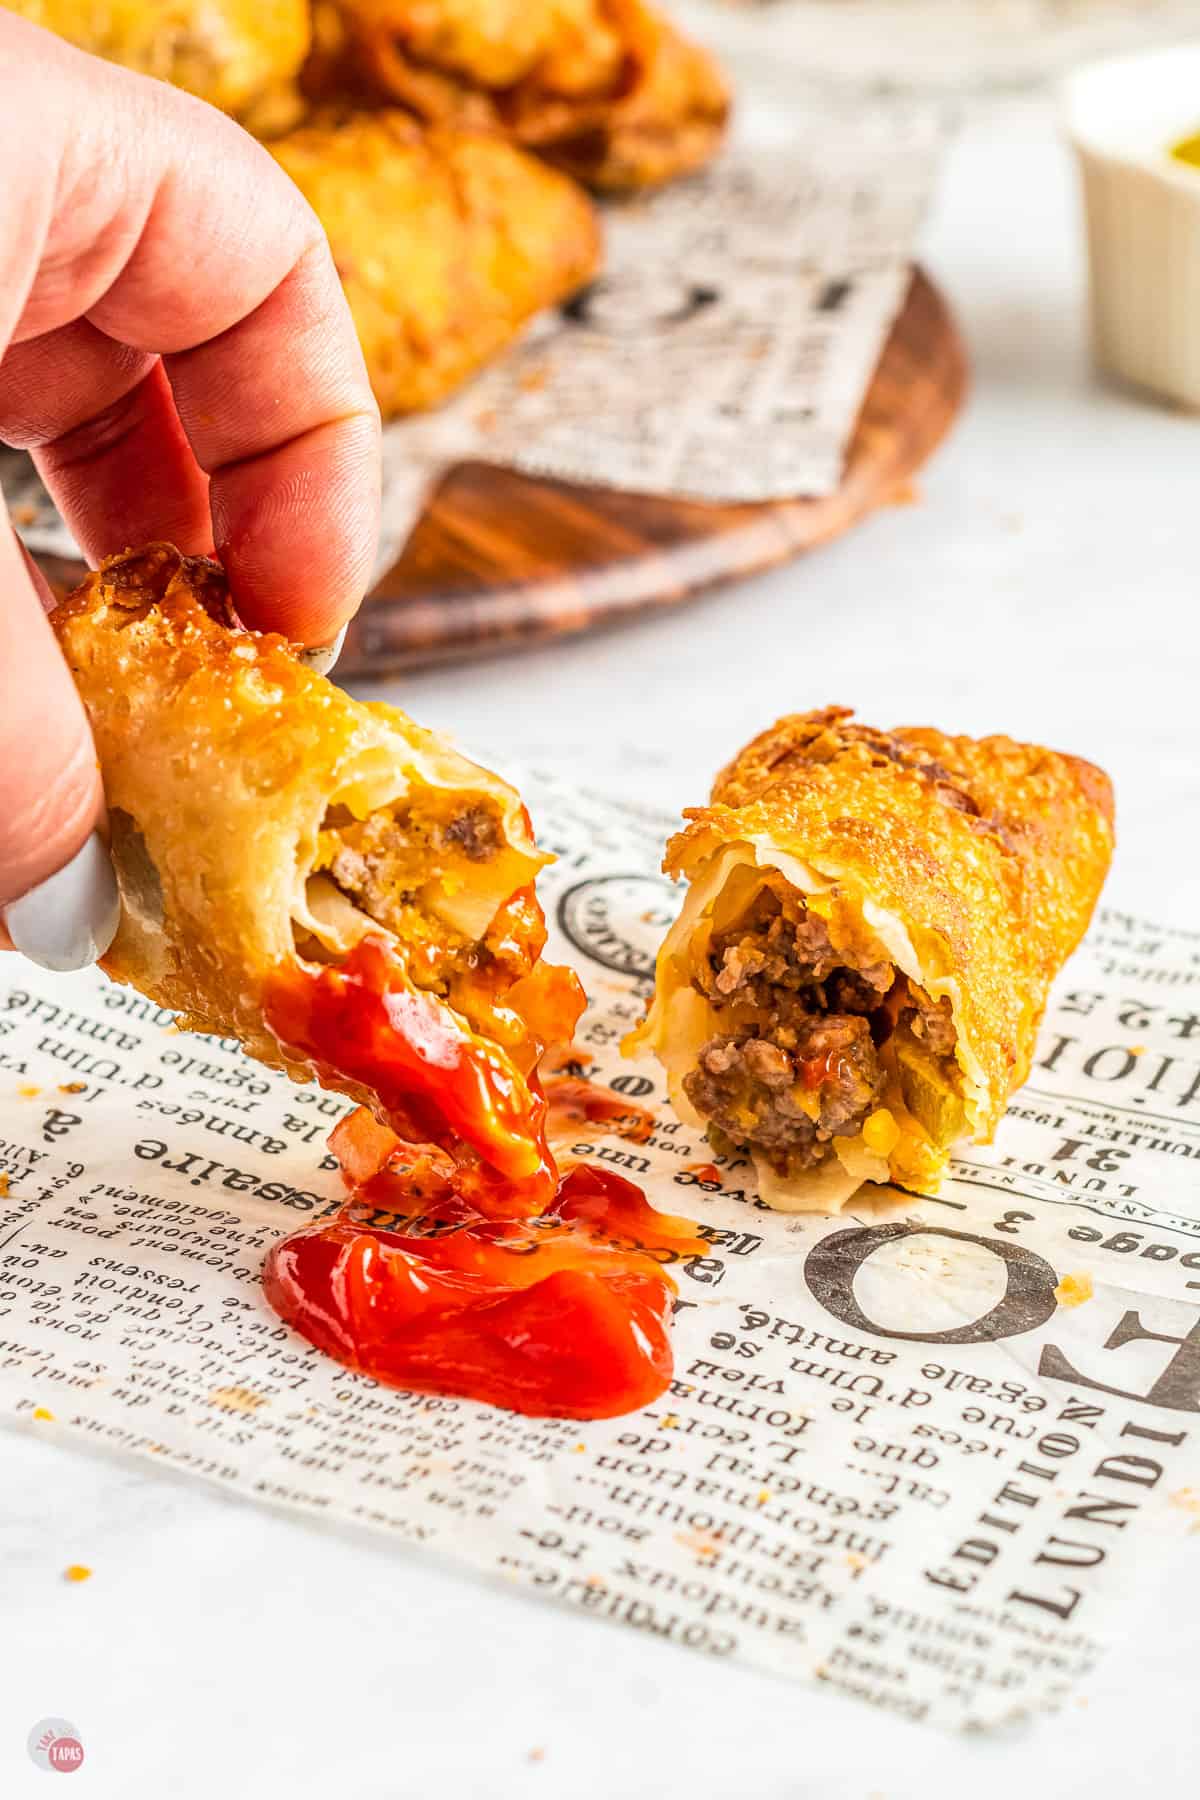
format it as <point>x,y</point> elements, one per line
<point>575,1103</point>
<point>704,1171</point>
<point>565,1315</point>
<point>461,1264</point>
<point>437,1081</point>
<point>815,1072</point>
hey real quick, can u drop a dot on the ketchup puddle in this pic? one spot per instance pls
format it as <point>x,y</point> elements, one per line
<point>576,1106</point>
<point>565,1315</point>
<point>434,1276</point>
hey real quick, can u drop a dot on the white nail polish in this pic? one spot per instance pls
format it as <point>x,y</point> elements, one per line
<point>321,657</point>
<point>71,918</point>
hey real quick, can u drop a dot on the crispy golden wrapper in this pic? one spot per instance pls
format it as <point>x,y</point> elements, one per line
<point>231,53</point>
<point>607,89</point>
<point>277,110</point>
<point>269,833</point>
<point>874,920</point>
<point>447,243</point>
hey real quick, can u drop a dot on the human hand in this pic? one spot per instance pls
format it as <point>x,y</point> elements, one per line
<point>176,352</point>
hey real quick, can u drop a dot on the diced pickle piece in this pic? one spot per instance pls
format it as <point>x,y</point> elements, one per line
<point>929,1094</point>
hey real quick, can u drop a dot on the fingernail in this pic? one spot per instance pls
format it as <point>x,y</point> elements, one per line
<point>321,657</point>
<point>71,918</point>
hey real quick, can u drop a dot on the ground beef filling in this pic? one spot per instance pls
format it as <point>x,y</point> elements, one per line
<point>380,862</point>
<point>477,832</point>
<point>752,1091</point>
<point>930,1021</point>
<point>797,1064</point>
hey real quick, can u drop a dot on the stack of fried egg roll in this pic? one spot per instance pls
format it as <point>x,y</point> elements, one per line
<point>447,242</point>
<point>607,89</point>
<point>232,53</point>
<point>421,133</point>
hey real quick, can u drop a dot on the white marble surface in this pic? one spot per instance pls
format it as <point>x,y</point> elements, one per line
<point>1045,584</point>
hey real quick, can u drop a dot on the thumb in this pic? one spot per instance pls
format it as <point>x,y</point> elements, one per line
<point>58,895</point>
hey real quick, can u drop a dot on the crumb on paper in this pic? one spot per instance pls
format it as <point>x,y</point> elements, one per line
<point>1187,1499</point>
<point>3,1184</point>
<point>1073,1290</point>
<point>594,1581</point>
<point>172,1030</point>
<point>537,1754</point>
<point>764,1494</point>
<point>28,1091</point>
<point>237,1399</point>
<point>700,1543</point>
<point>1137,1049</point>
<point>77,1572</point>
<point>578,1449</point>
<point>855,1560</point>
<point>670,1421</point>
<point>905,493</point>
<point>72,1087</point>
<point>43,1412</point>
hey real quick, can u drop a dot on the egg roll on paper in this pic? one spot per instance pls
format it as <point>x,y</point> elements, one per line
<point>321,879</point>
<point>873,922</point>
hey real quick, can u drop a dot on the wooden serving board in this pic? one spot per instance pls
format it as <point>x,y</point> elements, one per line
<point>501,560</point>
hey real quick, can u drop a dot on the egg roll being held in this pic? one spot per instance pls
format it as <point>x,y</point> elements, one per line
<point>317,877</point>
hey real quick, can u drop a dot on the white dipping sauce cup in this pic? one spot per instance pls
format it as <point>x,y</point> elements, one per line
<point>1143,215</point>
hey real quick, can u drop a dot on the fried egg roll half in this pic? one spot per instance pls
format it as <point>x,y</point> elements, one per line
<point>447,243</point>
<point>873,921</point>
<point>318,878</point>
<point>606,89</point>
<point>232,53</point>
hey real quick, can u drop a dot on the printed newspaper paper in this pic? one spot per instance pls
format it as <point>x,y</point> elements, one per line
<point>722,353</point>
<point>916,1452</point>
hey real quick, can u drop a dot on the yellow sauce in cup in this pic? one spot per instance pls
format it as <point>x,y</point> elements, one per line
<point>1187,150</point>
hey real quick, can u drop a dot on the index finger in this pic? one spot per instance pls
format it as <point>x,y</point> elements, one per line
<point>170,230</point>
